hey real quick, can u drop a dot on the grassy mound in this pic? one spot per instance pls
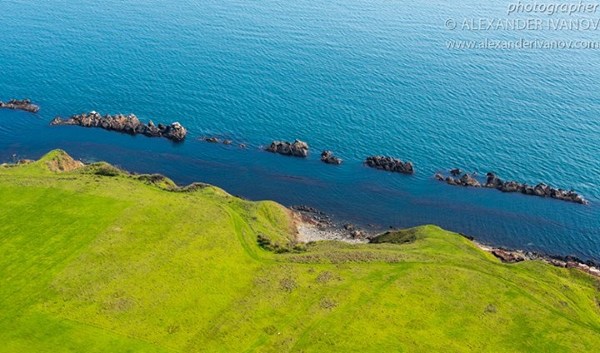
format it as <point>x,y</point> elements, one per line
<point>113,263</point>
<point>402,236</point>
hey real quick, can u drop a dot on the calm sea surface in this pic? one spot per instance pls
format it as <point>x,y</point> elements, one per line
<point>355,76</point>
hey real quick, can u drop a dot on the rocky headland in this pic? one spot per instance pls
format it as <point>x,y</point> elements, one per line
<point>296,149</point>
<point>390,164</point>
<point>492,181</point>
<point>20,104</point>
<point>128,124</point>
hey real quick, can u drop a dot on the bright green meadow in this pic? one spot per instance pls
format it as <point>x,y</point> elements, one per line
<point>94,259</point>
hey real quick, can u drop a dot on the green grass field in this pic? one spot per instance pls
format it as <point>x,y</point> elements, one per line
<point>94,260</point>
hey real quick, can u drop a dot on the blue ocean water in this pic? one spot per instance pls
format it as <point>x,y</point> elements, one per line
<point>355,76</point>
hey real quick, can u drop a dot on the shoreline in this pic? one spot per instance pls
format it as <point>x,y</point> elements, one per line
<point>516,256</point>
<point>313,225</point>
<point>550,255</point>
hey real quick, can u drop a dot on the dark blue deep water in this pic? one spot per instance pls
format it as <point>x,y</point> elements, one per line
<point>359,77</point>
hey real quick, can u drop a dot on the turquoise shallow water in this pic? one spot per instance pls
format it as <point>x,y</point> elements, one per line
<point>359,77</point>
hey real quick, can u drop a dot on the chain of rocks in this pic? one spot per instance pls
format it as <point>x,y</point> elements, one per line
<point>494,182</point>
<point>390,164</point>
<point>128,124</point>
<point>225,141</point>
<point>20,104</point>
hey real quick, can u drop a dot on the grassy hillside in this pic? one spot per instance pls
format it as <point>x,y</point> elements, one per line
<point>95,260</point>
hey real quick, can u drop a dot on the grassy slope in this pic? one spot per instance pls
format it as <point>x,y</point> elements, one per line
<point>103,264</point>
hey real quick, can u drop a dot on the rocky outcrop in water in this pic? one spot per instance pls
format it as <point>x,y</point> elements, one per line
<point>464,180</point>
<point>225,141</point>
<point>329,158</point>
<point>23,104</point>
<point>541,189</point>
<point>390,164</point>
<point>128,124</point>
<point>492,181</point>
<point>455,172</point>
<point>211,139</point>
<point>297,148</point>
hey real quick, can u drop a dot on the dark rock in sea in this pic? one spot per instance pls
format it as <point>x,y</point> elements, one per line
<point>541,190</point>
<point>511,186</point>
<point>227,142</point>
<point>468,180</point>
<point>471,238</point>
<point>211,139</point>
<point>307,209</point>
<point>452,181</point>
<point>464,180</point>
<point>296,148</point>
<point>329,158</point>
<point>390,164</point>
<point>128,124</point>
<point>455,172</point>
<point>20,104</point>
<point>492,181</point>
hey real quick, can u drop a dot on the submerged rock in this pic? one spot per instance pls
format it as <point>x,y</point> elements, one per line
<point>329,158</point>
<point>390,164</point>
<point>20,104</point>
<point>297,148</point>
<point>128,124</point>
